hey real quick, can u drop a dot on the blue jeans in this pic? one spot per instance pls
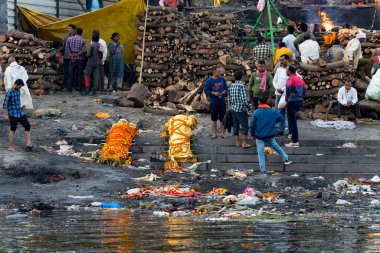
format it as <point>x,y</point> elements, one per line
<point>281,127</point>
<point>260,144</point>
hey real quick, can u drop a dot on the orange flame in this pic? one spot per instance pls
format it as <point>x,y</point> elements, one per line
<point>326,21</point>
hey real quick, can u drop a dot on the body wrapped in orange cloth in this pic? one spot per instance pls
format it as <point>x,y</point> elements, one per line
<point>179,128</point>
<point>119,140</point>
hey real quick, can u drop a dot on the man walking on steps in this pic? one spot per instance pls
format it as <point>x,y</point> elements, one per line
<point>263,131</point>
<point>14,113</point>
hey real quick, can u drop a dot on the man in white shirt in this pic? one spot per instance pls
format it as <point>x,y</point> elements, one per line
<point>353,56</point>
<point>309,49</point>
<point>104,51</point>
<point>11,74</point>
<point>289,41</point>
<point>279,83</point>
<point>348,98</point>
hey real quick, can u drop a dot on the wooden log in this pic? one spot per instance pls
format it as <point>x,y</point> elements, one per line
<point>361,85</point>
<point>171,112</point>
<point>3,38</point>
<point>152,65</point>
<point>34,77</point>
<point>18,56</point>
<point>150,43</point>
<point>138,94</point>
<point>315,68</point>
<point>23,42</point>
<point>162,83</point>
<point>20,35</point>
<point>321,93</point>
<point>322,62</point>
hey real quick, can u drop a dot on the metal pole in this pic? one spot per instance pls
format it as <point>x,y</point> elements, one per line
<point>143,42</point>
<point>16,15</point>
<point>268,6</point>
<point>57,6</point>
<point>252,31</point>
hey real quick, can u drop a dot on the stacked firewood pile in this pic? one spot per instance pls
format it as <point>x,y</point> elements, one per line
<point>180,52</point>
<point>36,56</point>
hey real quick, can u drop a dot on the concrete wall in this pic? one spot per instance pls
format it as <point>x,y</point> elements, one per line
<point>3,16</point>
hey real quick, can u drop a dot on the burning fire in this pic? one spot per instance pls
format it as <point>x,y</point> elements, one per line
<point>326,21</point>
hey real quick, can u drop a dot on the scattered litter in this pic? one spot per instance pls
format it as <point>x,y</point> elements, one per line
<point>375,203</point>
<point>96,204</point>
<point>55,178</point>
<point>197,164</point>
<point>218,191</point>
<point>46,112</point>
<point>143,168</point>
<point>61,142</point>
<point>81,197</point>
<point>150,177</point>
<point>57,120</point>
<point>161,214</point>
<point>112,205</point>
<point>239,175</point>
<point>73,208</point>
<point>333,124</point>
<point>170,190</point>
<point>342,202</point>
<point>319,154</point>
<point>142,160</point>
<point>295,175</point>
<point>180,213</point>
<point>18,216</point>
<point>316,178</point>
<point>340,185</point>
<point>214,170</point>
<point>250,192</point>
<point>248,201</point>
<point>103,115</point>
<point>349,145</point>
<point>269,151</point>
<point>375,179</point>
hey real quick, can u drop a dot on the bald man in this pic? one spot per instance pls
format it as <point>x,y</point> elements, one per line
<point>13,72</point>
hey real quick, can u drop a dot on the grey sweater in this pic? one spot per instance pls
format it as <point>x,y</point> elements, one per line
<point>94,55</point>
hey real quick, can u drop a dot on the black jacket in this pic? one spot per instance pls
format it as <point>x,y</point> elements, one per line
<point>228,121</point>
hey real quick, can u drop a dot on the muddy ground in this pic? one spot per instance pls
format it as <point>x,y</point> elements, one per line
<point>27,179</point>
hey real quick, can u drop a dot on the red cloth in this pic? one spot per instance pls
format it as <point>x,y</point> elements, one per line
<point>263,76</point>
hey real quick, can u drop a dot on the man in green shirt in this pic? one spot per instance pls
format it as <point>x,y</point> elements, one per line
<point>300,37</point>
<point>260,84</point>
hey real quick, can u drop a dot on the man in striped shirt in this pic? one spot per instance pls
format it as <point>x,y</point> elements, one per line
<point>14,113</point>
<point>238,100</point>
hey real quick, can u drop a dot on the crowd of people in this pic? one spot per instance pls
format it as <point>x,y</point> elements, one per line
<point>233,105</point>
<point>81,68</point>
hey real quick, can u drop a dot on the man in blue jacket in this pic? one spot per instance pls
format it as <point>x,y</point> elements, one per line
<point>263,130</point>
<point>216,89</point>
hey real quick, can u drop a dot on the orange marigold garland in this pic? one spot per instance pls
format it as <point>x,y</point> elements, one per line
<point>119,140</point>
<point>179,128</point>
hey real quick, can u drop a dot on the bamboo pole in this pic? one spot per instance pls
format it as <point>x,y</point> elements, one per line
<point>143,42</point>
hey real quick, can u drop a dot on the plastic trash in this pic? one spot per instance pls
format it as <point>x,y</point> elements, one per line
<point>248,201</point>
<point>343,202</point>
<point>250,192</point>
<point>73,208</point>
<point>295,175</point>
<point>375,179</point>
<point>81,197</point>
<point>375,203</point>
<point>349,145</point>
<point>17,216</point>
<point>161,214</point>
<point>338,185</point>
<point>96,204</point>
<point>112,205</point>
<point>133,191</point>
<point>180,213</point>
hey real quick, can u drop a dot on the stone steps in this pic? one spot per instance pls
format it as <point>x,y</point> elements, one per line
<point>313,157</point>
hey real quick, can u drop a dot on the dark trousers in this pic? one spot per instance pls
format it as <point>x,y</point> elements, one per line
<point>355,106</point>
<point>76,78</point>
<point>101,80</point>
<point>240,119</point>
<point>66,72</point>
<point>292,109</point>
<point>93,74</point>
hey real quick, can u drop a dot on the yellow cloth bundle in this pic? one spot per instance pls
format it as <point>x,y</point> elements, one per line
<point>179,128</point>
<point>119,141</point>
